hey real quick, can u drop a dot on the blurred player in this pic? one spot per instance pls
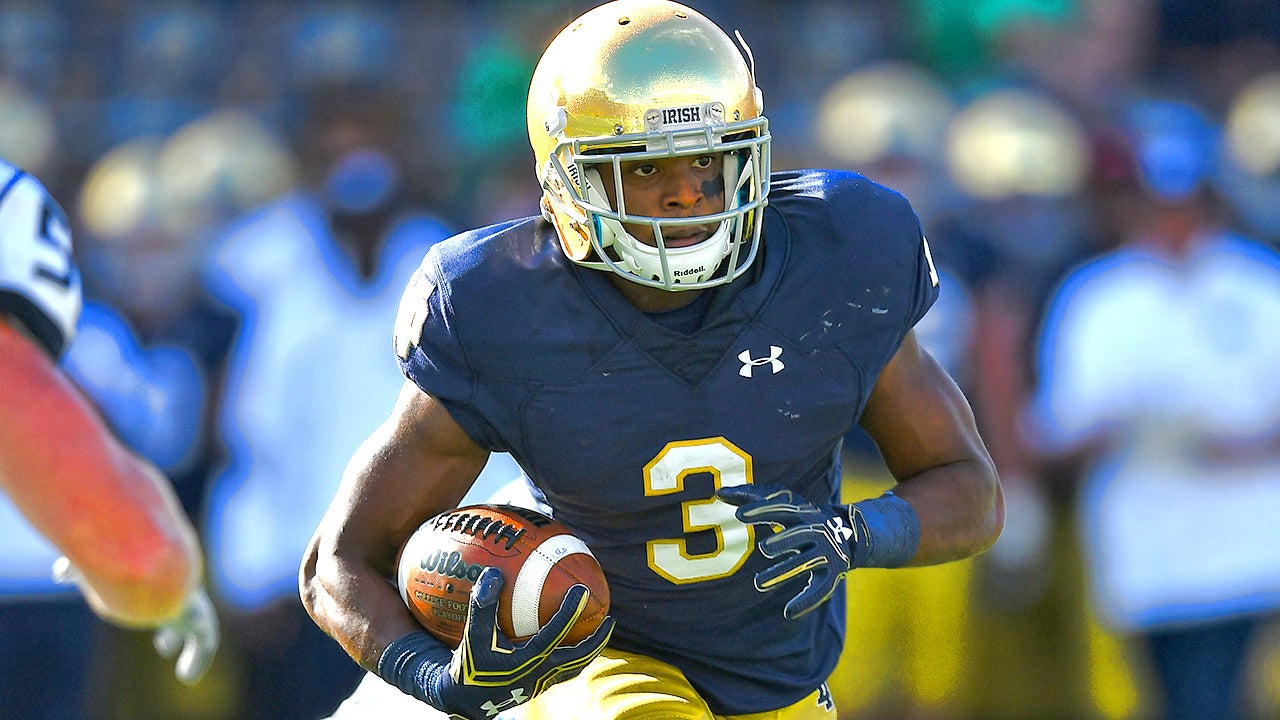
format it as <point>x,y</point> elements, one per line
<point>128,545</point>
<point>674,365</point>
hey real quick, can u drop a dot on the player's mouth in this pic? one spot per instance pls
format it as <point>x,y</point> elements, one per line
<point>684,236</point>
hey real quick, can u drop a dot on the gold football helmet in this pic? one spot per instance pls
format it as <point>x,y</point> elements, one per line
<point>637,80</point>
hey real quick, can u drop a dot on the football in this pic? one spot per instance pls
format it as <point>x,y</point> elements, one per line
<point>540,560</point>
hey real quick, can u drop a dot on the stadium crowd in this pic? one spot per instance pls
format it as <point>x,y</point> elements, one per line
<point>212,155</point>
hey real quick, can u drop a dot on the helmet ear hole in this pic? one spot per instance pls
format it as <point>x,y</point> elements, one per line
<point>597,194</point>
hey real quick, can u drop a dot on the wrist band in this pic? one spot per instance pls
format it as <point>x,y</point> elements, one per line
<point>888,530</point>
<point>410,661</point>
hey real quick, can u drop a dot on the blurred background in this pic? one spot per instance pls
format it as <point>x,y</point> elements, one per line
<point>250,182</point>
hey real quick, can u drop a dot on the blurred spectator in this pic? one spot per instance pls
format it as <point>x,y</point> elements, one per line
<point>153,342</point>
<point>316,279</point>
<point>1157,371</point>
<point>961,39</point>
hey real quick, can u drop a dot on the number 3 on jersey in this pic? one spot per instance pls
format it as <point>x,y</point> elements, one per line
<point>665,474</point>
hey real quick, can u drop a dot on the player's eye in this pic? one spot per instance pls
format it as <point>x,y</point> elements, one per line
<point>702,162</point>
<point>644,169</point>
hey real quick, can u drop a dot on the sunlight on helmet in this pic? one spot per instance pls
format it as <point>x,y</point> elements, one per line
<point>1017,142</point>
<point>642,80</point>
<point>1253,126</point>
<point>225,162</point>
<point>120,189</point>
<point>889,109</point>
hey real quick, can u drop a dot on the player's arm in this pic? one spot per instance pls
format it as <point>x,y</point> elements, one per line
<point>947,504</point>
<point>925,430</point>
<point>109,511</point>
<point>418,463</point>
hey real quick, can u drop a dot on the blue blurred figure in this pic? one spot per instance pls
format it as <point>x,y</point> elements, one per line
<point>1157,370</point>
<point>316,278</point>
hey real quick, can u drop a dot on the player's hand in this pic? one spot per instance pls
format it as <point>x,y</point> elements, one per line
<point>192,636</point>
<point>816,544</point>
<point>487,673</point>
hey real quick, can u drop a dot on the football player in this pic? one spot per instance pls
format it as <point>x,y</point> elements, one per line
<point>128,545</point>
<point>672,352</point>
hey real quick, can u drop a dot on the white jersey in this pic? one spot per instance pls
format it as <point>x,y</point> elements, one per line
<point>39,281</point>
<point>1173,361</point>
<point>40,289</point>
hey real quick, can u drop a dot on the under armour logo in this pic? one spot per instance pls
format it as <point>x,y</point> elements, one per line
<point>839,530</point>
<point>517,698</point>
<point>772,361</point>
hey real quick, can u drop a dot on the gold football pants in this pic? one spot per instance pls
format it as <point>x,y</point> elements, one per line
<point>624,686</point>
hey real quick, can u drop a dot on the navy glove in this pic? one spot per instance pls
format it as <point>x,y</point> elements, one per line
<point>818,543</point>
<point>486,674</point>
<point>823,543</point>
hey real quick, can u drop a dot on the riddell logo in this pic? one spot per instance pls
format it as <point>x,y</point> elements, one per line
<point>691,271</point>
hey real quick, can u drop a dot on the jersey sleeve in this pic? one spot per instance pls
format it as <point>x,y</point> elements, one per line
<point>39,280</point>
<point>909,258</point>
<point>432,355</point>
<point>879,233</point>
<point>926,283</point>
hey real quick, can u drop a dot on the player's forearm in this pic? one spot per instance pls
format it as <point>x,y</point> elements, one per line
<point>112,513</point>
<point>352,602</point>
<point>344,577</point>
<point>960,507</point>
<point>143,576</point>
<point>417,463</point>
<point>143,599</point>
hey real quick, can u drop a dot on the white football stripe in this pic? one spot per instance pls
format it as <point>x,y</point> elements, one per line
<point>532,575</point>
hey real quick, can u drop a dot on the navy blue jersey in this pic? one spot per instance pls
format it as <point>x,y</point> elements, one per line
<point>627,427</point>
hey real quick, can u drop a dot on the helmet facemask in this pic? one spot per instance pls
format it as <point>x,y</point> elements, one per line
<point>574,188</point>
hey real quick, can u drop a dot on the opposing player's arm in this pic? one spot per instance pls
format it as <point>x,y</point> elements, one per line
<point>416,464</point>
<point>112,513</point>
<point>925,430</point>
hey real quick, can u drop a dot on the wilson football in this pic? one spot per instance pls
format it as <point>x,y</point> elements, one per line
<point>540,560</point>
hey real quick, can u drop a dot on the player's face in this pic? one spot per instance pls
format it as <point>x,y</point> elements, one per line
<point>672,187</point>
